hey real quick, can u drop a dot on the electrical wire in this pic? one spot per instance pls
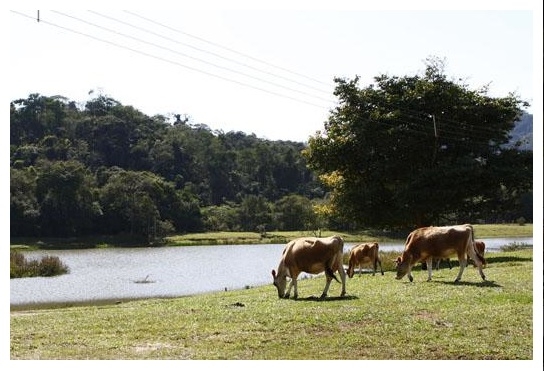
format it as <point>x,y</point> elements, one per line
<point>169,61</point>
<point>191,57</point>
<point>210,52</point>
<point>228,49</point>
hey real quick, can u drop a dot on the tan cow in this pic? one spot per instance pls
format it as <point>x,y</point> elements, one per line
<point>438,242</point>
<point>364,253</point>
<point>311,255</point>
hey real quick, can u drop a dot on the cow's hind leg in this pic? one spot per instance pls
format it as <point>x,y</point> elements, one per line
<point>462,265</point>
<point>326,289</point>
<point>429,269</point>
<point>380,263</point>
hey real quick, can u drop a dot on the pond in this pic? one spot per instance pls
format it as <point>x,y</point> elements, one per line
<point>131,273</point>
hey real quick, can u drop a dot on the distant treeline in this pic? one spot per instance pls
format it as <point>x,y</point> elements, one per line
<point>106,168</point>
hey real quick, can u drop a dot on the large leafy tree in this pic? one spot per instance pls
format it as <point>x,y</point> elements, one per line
<point>408,151</point>
<point>142,204</point>
<point>68,204</point>
<point>24,206</point>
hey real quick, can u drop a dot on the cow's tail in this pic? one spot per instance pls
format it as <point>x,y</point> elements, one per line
<point>478,255</point>
<point>329,273</point>
<point>334,262</point>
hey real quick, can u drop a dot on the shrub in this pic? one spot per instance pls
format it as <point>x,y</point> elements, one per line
<point>513,246</point>
<point>48,266</point>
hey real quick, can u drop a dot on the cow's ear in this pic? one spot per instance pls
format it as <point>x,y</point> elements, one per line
<point>273,273</point>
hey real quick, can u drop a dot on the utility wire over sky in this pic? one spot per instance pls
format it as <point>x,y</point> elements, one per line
<point>143,44</point>
<point>269,73</point>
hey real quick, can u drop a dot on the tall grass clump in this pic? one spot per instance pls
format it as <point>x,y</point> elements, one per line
<point>47,266</point>
<point>515,246</point>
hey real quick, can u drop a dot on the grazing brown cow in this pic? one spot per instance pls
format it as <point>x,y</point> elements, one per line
<point>311,255</point>
<point>364,253</point>
<point>438,242</point>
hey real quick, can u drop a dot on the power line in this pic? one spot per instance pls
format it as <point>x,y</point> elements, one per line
<point>191,57</point>
<point>226,48</point>
<point>210,52</point>
<point>170,61</point>
<point>444,124</point>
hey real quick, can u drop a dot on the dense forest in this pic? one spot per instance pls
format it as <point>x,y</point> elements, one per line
<point>102,168</point>
<point>106,168</point>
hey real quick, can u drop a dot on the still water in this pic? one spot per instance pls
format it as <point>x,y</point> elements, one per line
<point>126,273</point>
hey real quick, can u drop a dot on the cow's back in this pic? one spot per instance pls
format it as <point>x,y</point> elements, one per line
<point>310,254</point>
<point>438,242</point>
<point>364,252</point>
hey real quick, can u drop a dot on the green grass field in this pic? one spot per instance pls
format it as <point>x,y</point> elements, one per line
<point>379,319</point>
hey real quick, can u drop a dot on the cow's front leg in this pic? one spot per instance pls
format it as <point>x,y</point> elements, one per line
<point>295,293</point>
<point>288,292</point>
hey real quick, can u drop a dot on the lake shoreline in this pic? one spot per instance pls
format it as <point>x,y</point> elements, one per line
<point>95,288</point>
<point>248,238</point>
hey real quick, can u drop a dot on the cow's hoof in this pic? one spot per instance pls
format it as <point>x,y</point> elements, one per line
<point>456,281</point>
<point>411,279</point>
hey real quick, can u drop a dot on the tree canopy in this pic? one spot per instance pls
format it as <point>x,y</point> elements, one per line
<point>105,168</point>
<point>419,150</point>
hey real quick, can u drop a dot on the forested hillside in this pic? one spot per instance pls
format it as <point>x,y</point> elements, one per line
<point>106,168</point>
<point>522,134</point>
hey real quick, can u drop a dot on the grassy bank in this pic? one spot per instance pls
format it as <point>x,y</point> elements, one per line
<point>381,318</point>
<point>242,238</point>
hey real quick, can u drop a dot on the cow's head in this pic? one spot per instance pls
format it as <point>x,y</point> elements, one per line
<point>280,281</point>
<point>403,266</point>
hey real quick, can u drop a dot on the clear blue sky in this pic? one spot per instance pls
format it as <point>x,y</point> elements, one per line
<point>267,70</point>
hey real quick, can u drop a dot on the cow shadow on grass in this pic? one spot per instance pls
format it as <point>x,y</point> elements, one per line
<point>505,259</point>
<point>473,284</point>
<point>489,260</point>
<point>328,298</point>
